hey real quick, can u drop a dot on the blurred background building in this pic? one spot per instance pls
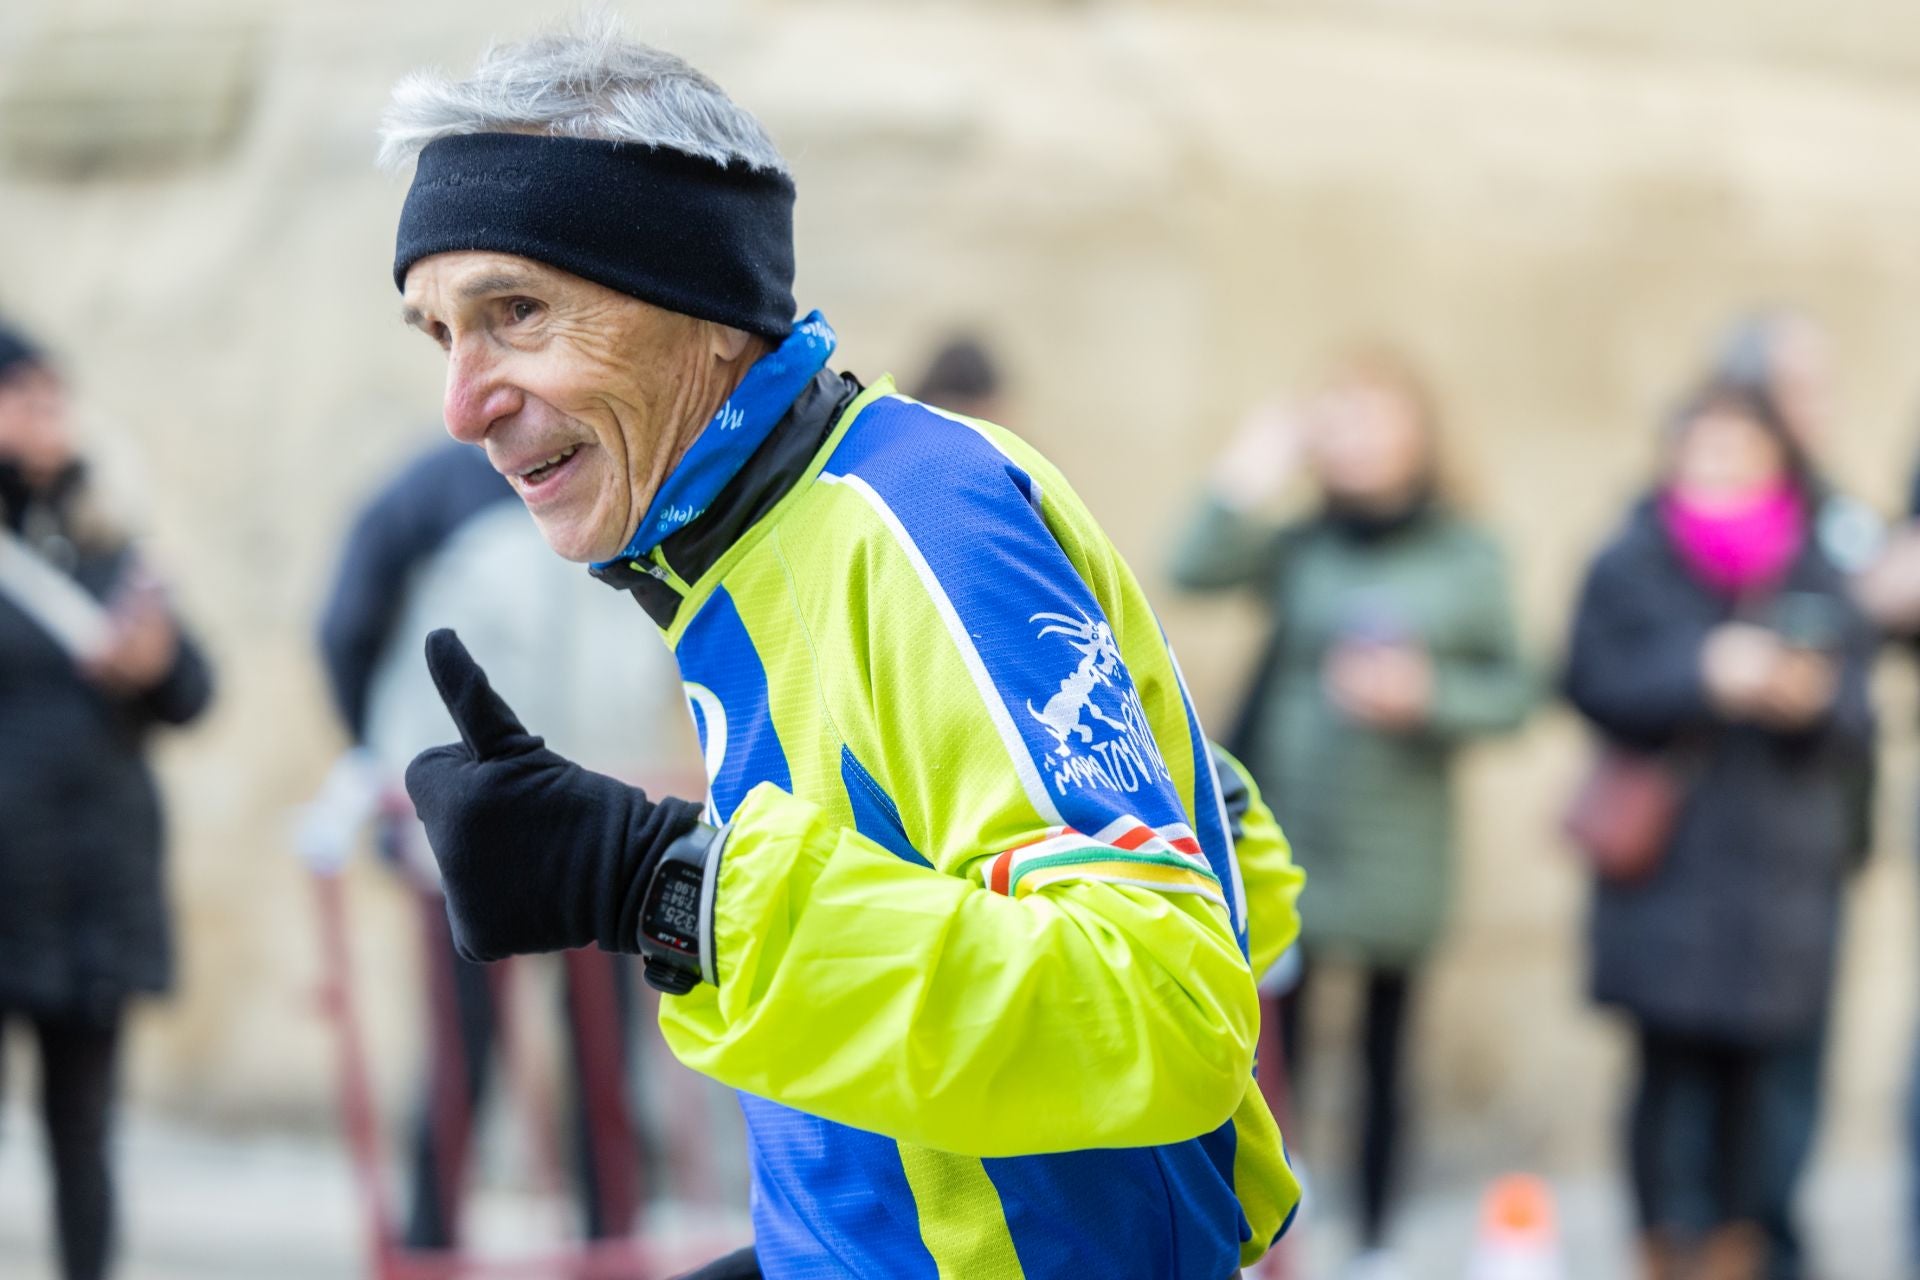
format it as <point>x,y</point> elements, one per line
<point>1158,213</point>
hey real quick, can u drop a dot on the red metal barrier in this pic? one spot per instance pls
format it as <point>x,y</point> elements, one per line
<point>629,1258</point>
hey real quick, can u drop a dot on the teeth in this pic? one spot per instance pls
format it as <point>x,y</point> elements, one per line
<point>554,461</point>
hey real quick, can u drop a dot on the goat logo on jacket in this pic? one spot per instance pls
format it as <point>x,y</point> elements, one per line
<point>1100,731</point>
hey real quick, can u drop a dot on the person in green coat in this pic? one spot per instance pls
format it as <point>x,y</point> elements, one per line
<point>1392,643</point>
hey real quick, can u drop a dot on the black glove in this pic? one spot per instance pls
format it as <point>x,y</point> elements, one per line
<point>739,1265</point>
<point>535,852</point>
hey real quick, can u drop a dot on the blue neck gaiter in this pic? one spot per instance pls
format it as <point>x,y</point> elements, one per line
<point>737,428</point>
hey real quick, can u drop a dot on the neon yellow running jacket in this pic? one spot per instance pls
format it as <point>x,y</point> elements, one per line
<point>981,937</point>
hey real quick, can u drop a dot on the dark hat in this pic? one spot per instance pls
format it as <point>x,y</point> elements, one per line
<point>961,369</point>
<point>17,353</point>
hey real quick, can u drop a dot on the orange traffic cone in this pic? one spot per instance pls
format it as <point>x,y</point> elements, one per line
<point>1519,1232</point>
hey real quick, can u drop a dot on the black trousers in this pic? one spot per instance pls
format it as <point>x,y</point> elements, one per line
<point>1388,1004</point>
<point>465,1015</point>
<point>1719,1133</point>
<point>79,1068</point>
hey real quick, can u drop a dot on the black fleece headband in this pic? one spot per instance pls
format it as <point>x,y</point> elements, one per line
<point>684,233</point>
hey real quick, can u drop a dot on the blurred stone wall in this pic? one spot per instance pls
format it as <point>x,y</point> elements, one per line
<point>1160,211</point>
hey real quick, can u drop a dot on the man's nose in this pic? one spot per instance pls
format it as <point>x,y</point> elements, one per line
<point>477,395</point>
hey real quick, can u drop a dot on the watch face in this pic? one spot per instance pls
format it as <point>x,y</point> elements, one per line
<point>673,916</point>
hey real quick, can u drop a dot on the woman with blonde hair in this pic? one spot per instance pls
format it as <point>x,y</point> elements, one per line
<point>1391,644</point>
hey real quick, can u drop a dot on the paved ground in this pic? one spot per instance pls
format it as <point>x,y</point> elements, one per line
<point>1853,1216</point>
<point>204,1207</point>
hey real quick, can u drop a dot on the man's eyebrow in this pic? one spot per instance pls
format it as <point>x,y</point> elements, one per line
<point>476,288</point>
<point>502,282</point>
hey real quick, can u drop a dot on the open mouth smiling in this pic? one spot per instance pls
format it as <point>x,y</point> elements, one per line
<point>546,467</point>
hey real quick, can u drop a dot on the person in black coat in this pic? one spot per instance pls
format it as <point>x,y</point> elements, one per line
<point>1713,636</point>
<point>83,916</point>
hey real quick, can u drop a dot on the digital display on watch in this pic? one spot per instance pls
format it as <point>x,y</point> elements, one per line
<point>673,911</point>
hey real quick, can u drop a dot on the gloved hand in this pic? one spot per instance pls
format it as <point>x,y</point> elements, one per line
<point>327,827</point>
<point>536,853</point>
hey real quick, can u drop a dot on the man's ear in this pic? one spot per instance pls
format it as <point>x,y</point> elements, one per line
<point>728,344</point>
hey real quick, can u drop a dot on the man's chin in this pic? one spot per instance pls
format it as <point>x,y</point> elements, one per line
<point>569,541</point>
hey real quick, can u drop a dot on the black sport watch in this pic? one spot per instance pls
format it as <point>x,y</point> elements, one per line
<point>676,920</point>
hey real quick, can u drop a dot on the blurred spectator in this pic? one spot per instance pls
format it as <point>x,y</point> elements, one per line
<point>1392,643</point>
<point>962,378</point>
<point>1889,589</point>
<point>1890,592</point>
<point>1782,354</point>
<point>91,660</point>
<point>430,551</point>
<point>1716,643</point>
<point>1785,356</point>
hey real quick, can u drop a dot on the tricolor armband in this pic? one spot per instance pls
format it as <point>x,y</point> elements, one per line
<point>1125,851</point>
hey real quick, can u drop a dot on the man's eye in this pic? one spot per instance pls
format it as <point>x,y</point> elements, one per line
<point>441,334</point>
<point>522,309</point>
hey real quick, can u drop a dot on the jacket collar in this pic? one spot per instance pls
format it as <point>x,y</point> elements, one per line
<point>659,585</point>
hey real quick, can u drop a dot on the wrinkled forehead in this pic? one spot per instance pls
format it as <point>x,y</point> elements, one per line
<point>448,279</point>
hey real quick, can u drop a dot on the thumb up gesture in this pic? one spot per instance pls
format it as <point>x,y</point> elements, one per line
<point>535,852</point>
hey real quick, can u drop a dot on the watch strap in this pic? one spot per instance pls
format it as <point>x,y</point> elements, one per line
<point>676,918</point>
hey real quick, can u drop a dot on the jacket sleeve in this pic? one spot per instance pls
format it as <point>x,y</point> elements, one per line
<point>1222,549</point>
<point>184,692</point>
<point>1849,725</point>
<point>1272,881</point>
<point>1632,670</point>
<point>1851,722</point>
<point>886,995</point>
<point>1483,686</point>
<point>180,695</point>
<point>365,597</point>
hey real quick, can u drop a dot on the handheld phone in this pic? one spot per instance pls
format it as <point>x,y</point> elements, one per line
<point>1374,618</point>
<point>1806,620</point>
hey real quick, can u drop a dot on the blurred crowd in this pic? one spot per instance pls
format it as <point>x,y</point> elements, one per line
<point>1719,651</point>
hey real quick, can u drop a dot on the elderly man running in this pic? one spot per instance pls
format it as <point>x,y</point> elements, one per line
<point>962,920</point>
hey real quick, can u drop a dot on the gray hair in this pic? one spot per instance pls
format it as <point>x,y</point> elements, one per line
<point>587,80</point>
<point>1750,344</point>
